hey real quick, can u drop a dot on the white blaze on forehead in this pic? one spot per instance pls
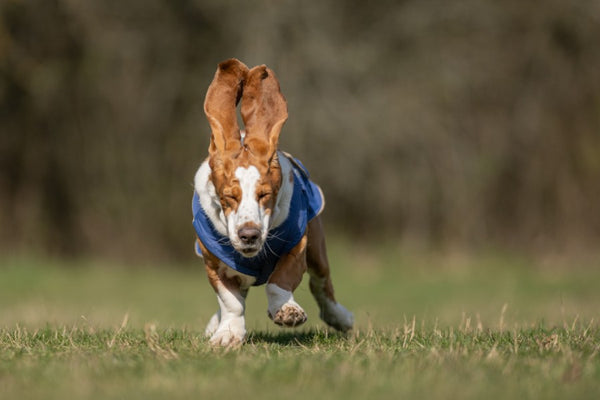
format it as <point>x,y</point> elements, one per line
<point>248,210</point>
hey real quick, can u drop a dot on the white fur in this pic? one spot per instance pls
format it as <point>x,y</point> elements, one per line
<point>209,199</point>
<point>232,326</point>
<point>213,324</point>
<point>249,210</point>
<point>227,326</point>
<point>279,298</point>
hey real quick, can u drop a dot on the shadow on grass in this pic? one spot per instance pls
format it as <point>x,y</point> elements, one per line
<point>295,338</point>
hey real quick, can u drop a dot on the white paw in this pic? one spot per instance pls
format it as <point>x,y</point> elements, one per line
<point>228,335</point>
<point>337,316</point>
<point>230,332</point>
<point>213,324</point>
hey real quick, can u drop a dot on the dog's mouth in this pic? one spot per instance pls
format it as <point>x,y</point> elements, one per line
<point>249,251</point>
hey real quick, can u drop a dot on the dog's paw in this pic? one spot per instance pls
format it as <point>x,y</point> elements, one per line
<point>337,316</point>
<point>290,315</point>
<point>227,338</point>
<point>230,333</point>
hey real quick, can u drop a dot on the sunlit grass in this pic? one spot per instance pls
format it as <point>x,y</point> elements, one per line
<point>427,325</point>
<point>459,362</point>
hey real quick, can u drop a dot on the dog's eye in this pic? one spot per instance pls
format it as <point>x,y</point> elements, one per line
<point>230,200</point>
<point>264,195</point>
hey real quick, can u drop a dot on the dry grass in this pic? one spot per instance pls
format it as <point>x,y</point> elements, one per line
<point>56,362</point>
<point>427,326</point>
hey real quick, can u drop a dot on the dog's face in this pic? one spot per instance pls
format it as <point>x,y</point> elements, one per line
<point>245,170</point>
<point>247,191</point>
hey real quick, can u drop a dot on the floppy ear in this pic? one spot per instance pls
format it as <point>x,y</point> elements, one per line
<point>222,97</point>
<point>264,111</point>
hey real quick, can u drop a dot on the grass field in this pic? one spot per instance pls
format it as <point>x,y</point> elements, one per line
<point>427,326</point>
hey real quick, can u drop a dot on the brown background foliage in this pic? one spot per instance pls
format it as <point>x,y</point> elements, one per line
<point>467,123</point>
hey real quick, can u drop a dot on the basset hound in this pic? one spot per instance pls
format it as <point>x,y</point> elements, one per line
<point>256,211</point>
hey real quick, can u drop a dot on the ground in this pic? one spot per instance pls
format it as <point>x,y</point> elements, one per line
<point>431,325</point>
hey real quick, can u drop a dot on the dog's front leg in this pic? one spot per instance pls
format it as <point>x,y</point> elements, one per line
<point>231,329</point>
<point>227,326</point>
<point>286,277</point>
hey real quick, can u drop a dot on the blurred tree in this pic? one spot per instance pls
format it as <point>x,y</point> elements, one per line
<point>452,123</point>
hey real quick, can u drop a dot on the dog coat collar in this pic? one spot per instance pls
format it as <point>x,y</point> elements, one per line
<point>307,202</point>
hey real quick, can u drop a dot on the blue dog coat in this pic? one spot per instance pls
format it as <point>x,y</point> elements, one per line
<point>307,202</point>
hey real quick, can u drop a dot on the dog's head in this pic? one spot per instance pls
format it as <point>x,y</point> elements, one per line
<point>245,169</point>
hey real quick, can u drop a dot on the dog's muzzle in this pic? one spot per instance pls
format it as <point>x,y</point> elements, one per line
<point>250,241</point>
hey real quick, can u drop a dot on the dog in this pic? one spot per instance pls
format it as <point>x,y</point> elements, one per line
<point>256,212</point>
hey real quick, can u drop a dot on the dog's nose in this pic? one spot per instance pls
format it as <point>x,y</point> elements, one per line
<point>248,235</point>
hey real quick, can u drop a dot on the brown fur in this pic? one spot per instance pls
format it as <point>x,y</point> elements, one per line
<point>290,268</point>
<point>316,257</point>
<point>264,111</point>
<point>216,275</point>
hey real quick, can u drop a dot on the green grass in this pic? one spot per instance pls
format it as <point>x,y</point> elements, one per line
<point>427,326</point>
